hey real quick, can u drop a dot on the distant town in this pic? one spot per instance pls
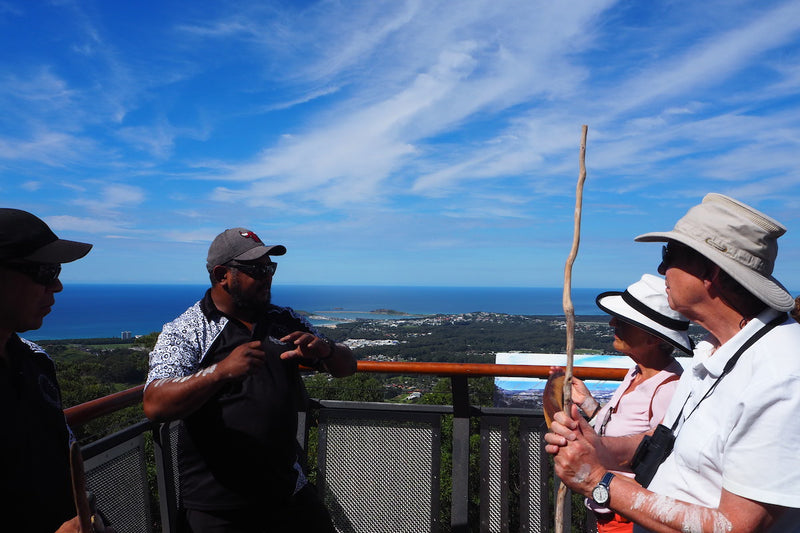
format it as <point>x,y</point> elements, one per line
<point>114,364</point>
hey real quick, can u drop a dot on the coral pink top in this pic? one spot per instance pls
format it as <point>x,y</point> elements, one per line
<point>642,409</point>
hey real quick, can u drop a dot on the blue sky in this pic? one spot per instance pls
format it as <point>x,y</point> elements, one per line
<point>395,142</point>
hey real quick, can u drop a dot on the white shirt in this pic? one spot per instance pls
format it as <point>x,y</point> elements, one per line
<point>745,436</point>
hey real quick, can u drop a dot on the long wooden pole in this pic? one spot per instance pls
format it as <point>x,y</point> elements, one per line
<point>569,312</point>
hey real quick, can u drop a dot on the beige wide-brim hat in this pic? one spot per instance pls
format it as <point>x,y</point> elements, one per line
<point>644,304</point>
<point>740,240</point>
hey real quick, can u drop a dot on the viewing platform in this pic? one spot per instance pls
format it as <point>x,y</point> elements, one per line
<point>381,467</point>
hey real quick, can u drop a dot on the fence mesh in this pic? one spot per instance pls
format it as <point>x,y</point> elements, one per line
<point>118,479</point>
<point>380,474</point>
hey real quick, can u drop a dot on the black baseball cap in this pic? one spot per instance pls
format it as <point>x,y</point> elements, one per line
<point>25,237</point>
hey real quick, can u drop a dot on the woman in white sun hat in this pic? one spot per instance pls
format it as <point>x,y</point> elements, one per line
<point>648,331</point>
<point>726,452</point>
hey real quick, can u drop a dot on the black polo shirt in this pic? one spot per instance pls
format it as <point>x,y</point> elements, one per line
<point>35,486</point>
<point>239,449</point>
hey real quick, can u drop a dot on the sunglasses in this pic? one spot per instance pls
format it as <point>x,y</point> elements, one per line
<point>667,257</point>
<point>41,273</point>
<point>677,254</point>
<point>256,270</point>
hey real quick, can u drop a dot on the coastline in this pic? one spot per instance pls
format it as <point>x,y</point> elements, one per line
<point>105,311</point>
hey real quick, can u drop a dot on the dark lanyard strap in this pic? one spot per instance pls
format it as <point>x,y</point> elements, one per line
<point>729,366</point>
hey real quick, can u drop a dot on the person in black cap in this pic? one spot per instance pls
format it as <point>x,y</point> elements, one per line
<point>227,368</point>
<point>725,456</point>
<point>34,448</point>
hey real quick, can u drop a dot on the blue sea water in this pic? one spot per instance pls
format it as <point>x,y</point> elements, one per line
<point>94,311</point>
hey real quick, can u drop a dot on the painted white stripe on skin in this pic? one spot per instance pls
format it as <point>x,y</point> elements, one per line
<point>184,379</point>
<point>693,520</point>
<point>582,473</point>
<point>666,509</point>
<point>663,507</point>
<point>721,523</point>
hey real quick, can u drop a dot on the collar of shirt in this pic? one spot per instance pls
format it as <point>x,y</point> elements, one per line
<point>712,362</point>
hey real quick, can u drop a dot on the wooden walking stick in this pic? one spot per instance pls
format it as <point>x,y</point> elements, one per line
<point>89,521</point>
<point>569,312</point>
<point>79,488</point>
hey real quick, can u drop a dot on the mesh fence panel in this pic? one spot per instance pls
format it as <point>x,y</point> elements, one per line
<point>118,479</point>
<point>494,475</point>
<point>380,474</point>
<point>534,472</point>
<point>173,451</point>
<point>496,482</point>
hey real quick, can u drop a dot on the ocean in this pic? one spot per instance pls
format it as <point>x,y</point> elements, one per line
<point>98,311</point>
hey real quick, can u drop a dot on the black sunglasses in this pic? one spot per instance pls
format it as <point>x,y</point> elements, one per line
<point>667,256</point>
<point>41,273</point>
<point>675,253</point>
<point>255,270</point>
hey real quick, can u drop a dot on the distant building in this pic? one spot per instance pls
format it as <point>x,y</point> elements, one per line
<point>126,335</point>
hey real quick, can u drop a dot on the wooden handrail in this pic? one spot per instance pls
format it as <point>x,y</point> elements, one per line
<point>88,411</point>
<point>485,369</point>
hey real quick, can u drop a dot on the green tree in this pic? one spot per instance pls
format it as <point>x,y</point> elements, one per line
<point>147,341</point>
<point>356,388</point>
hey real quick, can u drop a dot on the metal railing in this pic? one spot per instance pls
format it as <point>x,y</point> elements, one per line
<point>381,467</point>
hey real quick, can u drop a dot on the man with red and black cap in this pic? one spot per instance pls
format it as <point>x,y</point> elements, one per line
<point>227,368</point>
<point>34,448</point>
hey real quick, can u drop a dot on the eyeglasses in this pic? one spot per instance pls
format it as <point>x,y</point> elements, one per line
<point>255,270</point>
<point>41,273</point>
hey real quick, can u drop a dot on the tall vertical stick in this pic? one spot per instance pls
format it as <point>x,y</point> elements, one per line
<point>569,312</point>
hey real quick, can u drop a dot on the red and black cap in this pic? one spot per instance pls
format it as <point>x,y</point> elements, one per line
<point>239,244</point>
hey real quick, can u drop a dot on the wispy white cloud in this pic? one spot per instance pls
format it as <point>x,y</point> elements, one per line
<point>378,123</point>
<point>91,225</point>
<point>369,138</point>
<point>46,147</point>
<point>711,59</point>
<point>105,201</point>
<point>39,87</point>
<point>201,235</point>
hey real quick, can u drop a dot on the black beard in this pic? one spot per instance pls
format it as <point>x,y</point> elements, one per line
<point>249,305</point>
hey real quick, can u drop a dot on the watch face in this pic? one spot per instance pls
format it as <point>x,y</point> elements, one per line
<point>600,494</point>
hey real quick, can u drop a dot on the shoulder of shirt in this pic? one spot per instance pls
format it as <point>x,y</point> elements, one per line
<point>196,320</point>
<point>33,346</point>
<point>197,312</point>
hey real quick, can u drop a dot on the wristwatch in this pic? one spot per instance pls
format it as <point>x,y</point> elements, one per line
<point>600,494</point>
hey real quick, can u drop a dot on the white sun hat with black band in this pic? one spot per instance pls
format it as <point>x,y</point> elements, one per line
<point>740,240</point>
<point>644,304</point>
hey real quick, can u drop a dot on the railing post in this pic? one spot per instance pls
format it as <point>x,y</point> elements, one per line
<point>165,476</point>
<point>459,520</point>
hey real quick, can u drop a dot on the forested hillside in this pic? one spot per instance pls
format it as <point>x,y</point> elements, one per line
<point>92,368</point>
<point>472,337</point>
